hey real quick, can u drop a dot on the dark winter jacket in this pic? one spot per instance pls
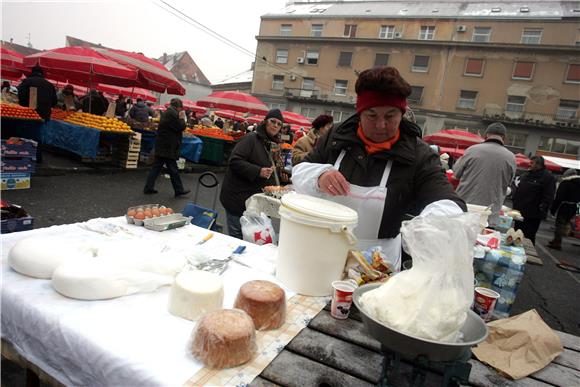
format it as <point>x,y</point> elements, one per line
<point>416,178</point>
<point>141,112</point>
<point>120,107</point>
<point>567,197</point>
<point>45,94</point>
<point>169,133</point>
<point>242,178</point>
<point>94,103</point>
<point>534,194</point>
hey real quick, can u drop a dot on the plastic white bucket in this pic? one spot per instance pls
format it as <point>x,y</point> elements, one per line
<point>315,236</point>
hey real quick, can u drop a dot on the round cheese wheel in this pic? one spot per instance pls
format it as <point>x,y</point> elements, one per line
<point>194,293</point>
<point>38,257</point>
<point>224,338</point>
<point>265,302</point>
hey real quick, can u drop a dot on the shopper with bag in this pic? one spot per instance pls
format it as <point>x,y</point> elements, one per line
<point>255,162</point>
<point>565,206</point>
<point>376,163</point>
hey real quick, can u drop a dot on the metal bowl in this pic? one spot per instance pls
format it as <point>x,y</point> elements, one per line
<point>474,331</point>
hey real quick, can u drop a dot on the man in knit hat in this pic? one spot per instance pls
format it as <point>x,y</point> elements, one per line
<point>486,171</point>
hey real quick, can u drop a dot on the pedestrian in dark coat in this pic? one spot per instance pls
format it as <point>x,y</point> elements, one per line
<point>121,106</point>
<point>533,197</point>
<point>141,112</point>
<point>94,103</point>
<point>250,169</point>
<point>565,206</point>
<point>167,147</point>
<point>45,93</point>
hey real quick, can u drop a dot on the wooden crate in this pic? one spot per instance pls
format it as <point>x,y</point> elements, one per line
<point>127,164</point>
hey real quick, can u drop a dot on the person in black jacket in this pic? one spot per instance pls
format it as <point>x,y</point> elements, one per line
<point>533,197</point>
<point>45,93</point>
<point>565,206</point>
<point>250,169</point>
<point>94,103</point>
<point>167,148</point>
<point>141,112</point>
<point>376,163</point>
<point>121,106</point>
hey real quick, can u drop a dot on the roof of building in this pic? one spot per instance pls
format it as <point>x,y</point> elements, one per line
<point>519,9</point>
<point>24,50</point>
<point>243,77</point>
<point>191,72</point>
<point>74,42</point>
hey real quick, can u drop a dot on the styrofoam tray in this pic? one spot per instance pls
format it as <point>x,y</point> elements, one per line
<point>167,222</point>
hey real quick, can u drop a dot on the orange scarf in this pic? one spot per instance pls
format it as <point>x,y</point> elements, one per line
<point>374,147</point>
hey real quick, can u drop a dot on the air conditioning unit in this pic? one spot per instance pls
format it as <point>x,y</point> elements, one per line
<point>461,28</point>
<point>300,60</point>
<point>398,35</point>
<point>293,77</point>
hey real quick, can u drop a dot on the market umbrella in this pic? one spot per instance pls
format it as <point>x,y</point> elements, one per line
<point>297,119</point>
<point>77,89</point>
<point>12,64</point>
<point>131,92</point>
<point>159,107</point>
<point>453,138</point>
<point>255,119</point>
<point>152,74</point>
<point>522,161</point>
<point>453,152</point>
<point>190,105</point>
<point>230,115</point>
<point>82,65</point>
<point>234,100</point>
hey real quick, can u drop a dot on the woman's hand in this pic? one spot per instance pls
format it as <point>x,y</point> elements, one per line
<point>333,183</point>
<point>266,172</point>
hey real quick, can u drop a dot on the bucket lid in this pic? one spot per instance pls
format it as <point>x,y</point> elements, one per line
<point>319,208</point>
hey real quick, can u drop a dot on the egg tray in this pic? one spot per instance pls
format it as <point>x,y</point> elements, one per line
<point>138,222</point>
<point>166,222</point>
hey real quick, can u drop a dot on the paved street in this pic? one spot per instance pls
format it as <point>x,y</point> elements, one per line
<point>85,193</point>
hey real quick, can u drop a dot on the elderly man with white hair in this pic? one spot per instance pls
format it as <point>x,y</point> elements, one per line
<point>486,170</point>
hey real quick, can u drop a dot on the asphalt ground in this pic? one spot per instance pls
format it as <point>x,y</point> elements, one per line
<point>66,191</point>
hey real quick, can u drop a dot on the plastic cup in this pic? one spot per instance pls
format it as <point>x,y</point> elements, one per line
<point>485,300</point>
<point>342,299</point>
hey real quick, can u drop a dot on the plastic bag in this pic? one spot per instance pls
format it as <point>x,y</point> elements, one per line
<point>367,266</point>
<point>258,229</point>
<point>224,338</point>
<point>430,300</point>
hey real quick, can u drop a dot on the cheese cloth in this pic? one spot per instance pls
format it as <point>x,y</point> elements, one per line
<point>126,341</point>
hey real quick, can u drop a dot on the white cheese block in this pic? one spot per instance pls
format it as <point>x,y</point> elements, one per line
<point>194,293</point>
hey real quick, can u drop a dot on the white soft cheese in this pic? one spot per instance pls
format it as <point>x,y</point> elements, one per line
<point>195,293</point>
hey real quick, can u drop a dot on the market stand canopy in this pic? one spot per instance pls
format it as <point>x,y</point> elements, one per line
<point>296,119</point>
<point>131,92</point>
<point>12,64</point>
<point>453,138</point>
<point>152,74</point>
<point>82,65</point>
<point>522,161</point>
<point>234,100</point>
<point>190,105</point>
<point>230,115</point>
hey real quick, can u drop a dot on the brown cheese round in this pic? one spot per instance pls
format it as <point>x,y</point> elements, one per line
<point>265,302</point>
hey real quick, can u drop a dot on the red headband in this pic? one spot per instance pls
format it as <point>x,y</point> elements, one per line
<point>370,98</point>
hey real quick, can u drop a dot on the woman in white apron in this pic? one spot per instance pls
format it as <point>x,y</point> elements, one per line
<point>376,164</point>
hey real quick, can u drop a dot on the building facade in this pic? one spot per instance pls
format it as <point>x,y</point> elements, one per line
<point>469,64</point>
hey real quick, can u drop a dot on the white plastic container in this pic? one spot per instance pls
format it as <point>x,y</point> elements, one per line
<point>482,211</point>
<point>315,236</point>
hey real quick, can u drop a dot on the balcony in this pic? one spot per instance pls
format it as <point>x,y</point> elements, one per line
<point>563,121</point>
<point>318,96</point>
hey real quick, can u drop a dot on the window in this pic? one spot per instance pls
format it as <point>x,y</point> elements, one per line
<point>559,145</point>
<point>308,112</point>
<point>515,140</point>
<point>416,95</point>
<point>515,103</point>
<point>473,67</point>
<point>420,64</point>
<point>523,70</point>
<point>481,34</point>
<point>350,30</point>
<point>531,36</point>
<point>567,110</point>
<point>278,82</point>
<point>312,57</point>
<point>387,32</point>
<point>573,73</point>
<point>345,59</point>
<point>427,33</point>
<point>316,30</point>
<point>381,60</point>
<point>467,99</point>
<point>286,30</point>
<point>280,106</point>
<point>281,56</point>
<point>337,116</point>
<point>340,87</point>
<point>308,84</point>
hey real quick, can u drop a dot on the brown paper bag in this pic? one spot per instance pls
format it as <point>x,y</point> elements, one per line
<point>520,345</point>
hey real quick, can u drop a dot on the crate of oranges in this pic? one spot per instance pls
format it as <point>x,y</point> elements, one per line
<point>13,111</point>
<point>137,215</point>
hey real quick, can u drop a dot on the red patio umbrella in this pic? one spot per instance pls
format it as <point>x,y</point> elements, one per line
<point>453,152</point>
<point>131,92</point>
<point>230,115</point>
<point>234,100</point>
<point>453,138</point>
<point>159,107</point>
<point>255,119</point>
<point>297,119</point>
<point>522,161</point>
<point>82,65</point>
<point>152,74</point>
<point>12,64</point>
<point>190,105</point>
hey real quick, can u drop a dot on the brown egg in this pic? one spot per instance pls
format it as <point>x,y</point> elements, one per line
<point>155,212</point>
<point>162,210</point>
<point>139,215</point>
<point>131,213</point>
<point>169,211</point>
<point>147,213</point>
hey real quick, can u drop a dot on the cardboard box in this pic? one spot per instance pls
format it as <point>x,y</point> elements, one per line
<point>18,224</point>
<point>26,149</point>
<point>17,165</point>
<point>15,181</point>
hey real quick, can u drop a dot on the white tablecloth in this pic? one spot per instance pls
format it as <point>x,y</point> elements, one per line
<point>128,341</point>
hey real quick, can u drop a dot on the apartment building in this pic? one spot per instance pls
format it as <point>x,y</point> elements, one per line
<point>469,63</point>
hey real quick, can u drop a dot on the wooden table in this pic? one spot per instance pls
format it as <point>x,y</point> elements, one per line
<point>332,352</point>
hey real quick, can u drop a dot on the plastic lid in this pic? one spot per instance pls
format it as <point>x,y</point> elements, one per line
<point>319,208</point>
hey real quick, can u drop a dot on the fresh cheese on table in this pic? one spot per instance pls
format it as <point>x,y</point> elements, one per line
<point>265,302</point>
<point>224,338</point>
<point>194,293</point>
